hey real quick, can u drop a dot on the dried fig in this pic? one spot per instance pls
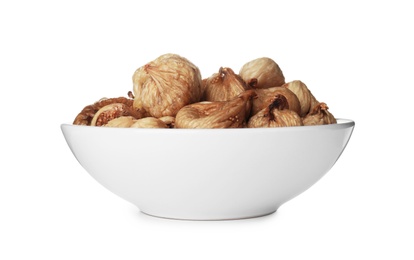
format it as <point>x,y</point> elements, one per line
<point>305,96</point>
<point>262,73</point>
<point>216,114</point>
<point>122,121</point>
<point>166,84</point>
<point>148,122</point>
<point>266,96</point>
<point>112,111</point>
<point>319,115</point>
<point>168,120</point>
<point>86,115</point>
<point>276,114</point>
<point>223,86</point>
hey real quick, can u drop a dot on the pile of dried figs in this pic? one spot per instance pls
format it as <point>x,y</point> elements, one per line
<point>169,92</point>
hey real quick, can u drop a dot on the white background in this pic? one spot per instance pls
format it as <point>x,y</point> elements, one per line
<point>56,57</point>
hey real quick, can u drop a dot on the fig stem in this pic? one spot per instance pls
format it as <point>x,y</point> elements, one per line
<point>279,102</point>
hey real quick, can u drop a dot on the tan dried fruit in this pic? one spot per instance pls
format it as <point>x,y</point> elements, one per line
<point>262,73</point>
<point>275,115</point>
<point>216,114</point>
<point>86,115</point>
<point>267,95</point>
<point>305,96</point>
<point>112,111</point>
<point>148,122</point>
<point>223,86</point>
<point>165,85</point>
<point>319,115</point>
<point>168,120</point>
<point>122,121</point>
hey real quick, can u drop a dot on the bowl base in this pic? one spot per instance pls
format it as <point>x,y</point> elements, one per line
<point>210,219</point>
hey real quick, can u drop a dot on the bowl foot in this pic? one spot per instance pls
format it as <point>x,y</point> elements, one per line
<point>210,218</point>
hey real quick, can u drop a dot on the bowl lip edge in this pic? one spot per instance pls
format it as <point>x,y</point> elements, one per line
<point>341,123</point>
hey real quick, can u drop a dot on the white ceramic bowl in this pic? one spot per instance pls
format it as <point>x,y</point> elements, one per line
<point>208,174</point>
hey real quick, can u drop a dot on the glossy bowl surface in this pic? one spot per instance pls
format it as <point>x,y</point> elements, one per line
<point>208,174</point>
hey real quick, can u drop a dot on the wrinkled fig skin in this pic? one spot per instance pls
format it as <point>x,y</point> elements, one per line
<point>131,122</point>
<point>216,114</point>
<point>305,96</point>
<point>149,122</point>
<point>165,85</point>
<point>168,120</point>
<point>223,86</point>
<point>122,121</point>
<point>112,111</point>
<point>86,115</point>
<point>276,114</point>
<point>266,96</point>
<point>319,115</point>
<point>262,73</point>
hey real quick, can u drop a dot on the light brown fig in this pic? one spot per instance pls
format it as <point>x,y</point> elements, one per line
<point>305,96</point>
<point>262,73</point>
<point>168,120</point>
<point>276,114</point>
<point>266,96</point>
<point>319,115</point>
<point>112,111</point>
<point>88,112</point>
<point>122,121</point>
<point>216,114</point>
<point>165,85</point>
<point>223,86</point>
<point>148,122</point>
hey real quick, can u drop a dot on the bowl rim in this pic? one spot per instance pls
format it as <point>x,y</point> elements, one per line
<point>341,123</point>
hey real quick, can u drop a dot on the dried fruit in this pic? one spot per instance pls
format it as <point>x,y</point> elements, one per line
<point>165,85</point>
<point>168,120</point>
<point>262,73</point>
<point>267,95</point>
<point>112,111</point>
<point>149,122</point>
<point>216,114</point>
<point>319,115</point>
<point>170,93</point>
<point>223,86</point>
<point>305,96</point>
<point>122,121</point>
<point>86,115</point>
<point>276,114</point>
